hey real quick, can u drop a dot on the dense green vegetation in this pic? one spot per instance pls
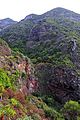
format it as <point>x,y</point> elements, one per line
<point>51,50</point>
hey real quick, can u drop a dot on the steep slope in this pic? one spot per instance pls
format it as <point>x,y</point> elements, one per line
<point>62,13</point>
<point>51,39</point>
<point>16,100</point>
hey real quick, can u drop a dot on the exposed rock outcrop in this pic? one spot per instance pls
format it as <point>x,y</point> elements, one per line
<point>61,82</point>
<point>14,62</point>
<point>31,83</point>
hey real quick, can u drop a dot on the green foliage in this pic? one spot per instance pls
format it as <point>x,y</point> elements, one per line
<point>25,118</point>
<point>1,88</point>
<point>9,78</point>
<point>19,46</point>
<point>23,75</point>
<point>68,62</point>
<point>4,79</point>
<point>36,117</point>
<point>14,76</point>
<point>49,100</point>
<point>50,112</point>
<point>7,111</point>
<point>2,42</point>
<point>71,110</point>
<point>72,105</point>
<point>14,102</point>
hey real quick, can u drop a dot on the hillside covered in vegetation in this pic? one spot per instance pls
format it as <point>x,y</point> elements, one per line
<point>16,99</point>
<point>46,84</point>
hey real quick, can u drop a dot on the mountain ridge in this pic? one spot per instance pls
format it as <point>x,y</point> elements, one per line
<point>6,23</point>
<point>26,24</point>
<point>54,11</point>
<point>58,10</point>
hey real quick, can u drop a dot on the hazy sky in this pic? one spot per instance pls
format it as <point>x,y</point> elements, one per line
<point>18,9</point>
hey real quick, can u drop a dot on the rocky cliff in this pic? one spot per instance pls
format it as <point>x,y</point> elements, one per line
<point>16,86</point>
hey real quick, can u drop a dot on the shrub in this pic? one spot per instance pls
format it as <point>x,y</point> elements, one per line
<point>71,110</point>
<point>14,102</point>
<point>25,118</point>
<point>50,112</point>
<point>1,88</point>
<point>36,116</point>
<point>4,79</point>
<point>7,111</point>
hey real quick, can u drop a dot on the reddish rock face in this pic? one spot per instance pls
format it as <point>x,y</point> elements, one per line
<point>31,84</point>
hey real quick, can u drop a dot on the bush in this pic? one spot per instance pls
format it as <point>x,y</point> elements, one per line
<point>4,79</point>
<point>71,110</point>
<point>7,111</point>
<point>50,112</point>
<point>36,116</point>
<point>14,102</point>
